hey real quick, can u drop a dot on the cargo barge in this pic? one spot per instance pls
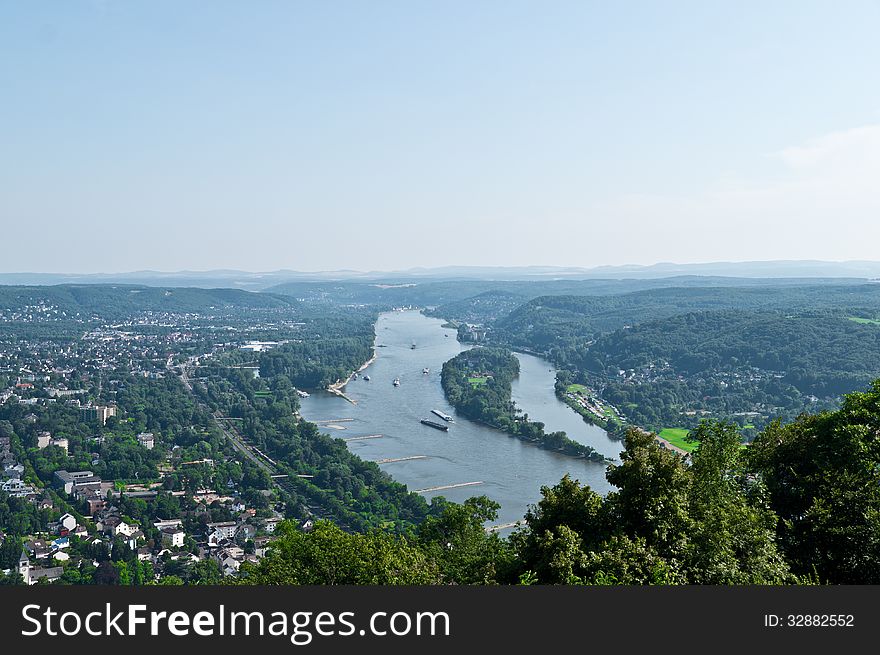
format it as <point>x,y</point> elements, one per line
<point>445,417</point>
<point>436,426</point>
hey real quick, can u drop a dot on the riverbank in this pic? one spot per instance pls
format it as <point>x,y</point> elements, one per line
<point>337,387</point>
<point>614,429</point>
<point>543,445</point>
<point>670,446</point>
<point>478,384</point>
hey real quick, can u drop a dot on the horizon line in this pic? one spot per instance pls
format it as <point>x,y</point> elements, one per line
<point>410,270</point>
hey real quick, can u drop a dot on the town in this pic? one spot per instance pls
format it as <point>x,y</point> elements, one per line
<point>101,480</point>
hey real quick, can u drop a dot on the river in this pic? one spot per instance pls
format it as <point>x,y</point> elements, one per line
<point>509,471</point>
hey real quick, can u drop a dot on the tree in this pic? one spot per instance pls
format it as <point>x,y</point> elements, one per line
<point>206,572</point>
<point>14,578</point>
<point>10,551</point>
<point>543,548</point>
<point>823,477</point>
<point>106,574</point>
<point>327,555</point>
<point>457,541</point>
<point>651,502</point>
<point>124,572</point>
<point>733,536</point>
<point>626,561</point>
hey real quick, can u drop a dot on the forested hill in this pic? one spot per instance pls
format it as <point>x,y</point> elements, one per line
<point>437,293</point>
<point>821,355</point>
<point>749,365</point>
<point>546,320</point>
<point>115,300</point>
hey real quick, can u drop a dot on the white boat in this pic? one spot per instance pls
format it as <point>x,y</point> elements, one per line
<point>396,382</point>
<point>426,370</point>
<point>445,417</point>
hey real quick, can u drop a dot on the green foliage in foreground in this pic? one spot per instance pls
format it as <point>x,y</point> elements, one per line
<point>800,505</point>
<point>667,523</point>
<point>450,548</point>
<point>328,555</point>
<point>823,477</point>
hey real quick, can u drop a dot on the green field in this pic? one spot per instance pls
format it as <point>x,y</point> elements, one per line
<point>676,436</point>
<point>263,394</point>
<point>478,381</point>
<point>864,321</point>
<point>577,388</point>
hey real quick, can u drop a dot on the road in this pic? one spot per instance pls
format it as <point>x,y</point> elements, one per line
<point>252,453</point>
<point>238,443</point>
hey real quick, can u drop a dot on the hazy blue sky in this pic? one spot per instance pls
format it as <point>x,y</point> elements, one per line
<point>378,135</point>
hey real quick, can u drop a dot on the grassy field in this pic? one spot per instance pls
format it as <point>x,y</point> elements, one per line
<point>676,436</point>
<point>478,382</point>
<point>577,388</point>
<point>263,394</point>
<point>864,321</point>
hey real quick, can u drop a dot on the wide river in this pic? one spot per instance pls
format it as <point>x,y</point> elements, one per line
<point>509,471</point>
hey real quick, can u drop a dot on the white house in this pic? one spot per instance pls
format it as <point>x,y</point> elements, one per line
<point>224,530</point>
<point>147,440</point>
<point>125,529</point>
<point>68,522</point>
<point>16,488</point>
<point>173,536</point>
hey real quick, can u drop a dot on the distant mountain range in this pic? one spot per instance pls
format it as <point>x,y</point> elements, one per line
<point>252,281</point>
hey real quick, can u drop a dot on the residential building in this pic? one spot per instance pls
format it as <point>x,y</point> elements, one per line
<point>68,522</point>
<point>97,413</point>
<point>44,439</point>
<point>146,440</point>
<point>173,537</point>
<point>224,530</point>
<point>124,528</point>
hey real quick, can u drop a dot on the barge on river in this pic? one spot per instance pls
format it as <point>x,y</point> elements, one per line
<point>436,426</point>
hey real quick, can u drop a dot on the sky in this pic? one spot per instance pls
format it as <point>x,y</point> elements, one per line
<point>385,135</point>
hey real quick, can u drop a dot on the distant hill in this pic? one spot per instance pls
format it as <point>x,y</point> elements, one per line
<point>441,293</point>
<point>116,300</point>
<point>545,320</point>
<point>256,281</point>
